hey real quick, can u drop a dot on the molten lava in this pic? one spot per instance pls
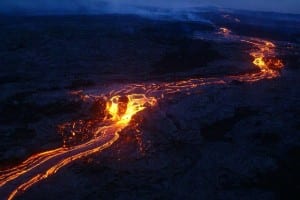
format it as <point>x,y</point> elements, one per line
<point>122,105</point>
<point>120,110</point>
<point>224,31</point>
<point>264,57</point>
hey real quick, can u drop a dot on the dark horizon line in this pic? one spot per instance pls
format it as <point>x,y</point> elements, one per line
<point>29,12</point>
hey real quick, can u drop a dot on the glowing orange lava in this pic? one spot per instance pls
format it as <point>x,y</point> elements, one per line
<point>224,31</point>
<point>41,166</point>
<point>122,105</point>
<point>264,57</point>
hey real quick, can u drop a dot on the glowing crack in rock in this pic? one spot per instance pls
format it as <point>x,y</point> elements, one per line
<point>120,107</point>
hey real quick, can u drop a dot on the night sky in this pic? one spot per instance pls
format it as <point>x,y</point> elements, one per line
<point>81,6</point>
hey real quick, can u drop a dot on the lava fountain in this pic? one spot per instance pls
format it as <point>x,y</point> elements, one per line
<point>122,105</point>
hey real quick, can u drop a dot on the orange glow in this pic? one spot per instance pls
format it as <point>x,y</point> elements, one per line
<point>264,57</point>
<point>224,31</point>
<point>43,165</point>
<point>122,111</point>
<point>121,106</point>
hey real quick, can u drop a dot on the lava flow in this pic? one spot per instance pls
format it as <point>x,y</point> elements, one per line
<point>120,110</point>
<point>122,105</point>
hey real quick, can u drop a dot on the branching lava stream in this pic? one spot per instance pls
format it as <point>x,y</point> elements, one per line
<point>121,106</point>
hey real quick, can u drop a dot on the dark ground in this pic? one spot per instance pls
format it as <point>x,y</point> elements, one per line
<point>239,141</point>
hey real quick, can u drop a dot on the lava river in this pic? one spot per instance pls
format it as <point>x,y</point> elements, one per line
<point>121,106</point>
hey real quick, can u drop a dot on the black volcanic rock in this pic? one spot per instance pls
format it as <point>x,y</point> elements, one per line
<point>188,54</point>
<point>217,130</point>
<point>98,109</point>
<point>225,141</point>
